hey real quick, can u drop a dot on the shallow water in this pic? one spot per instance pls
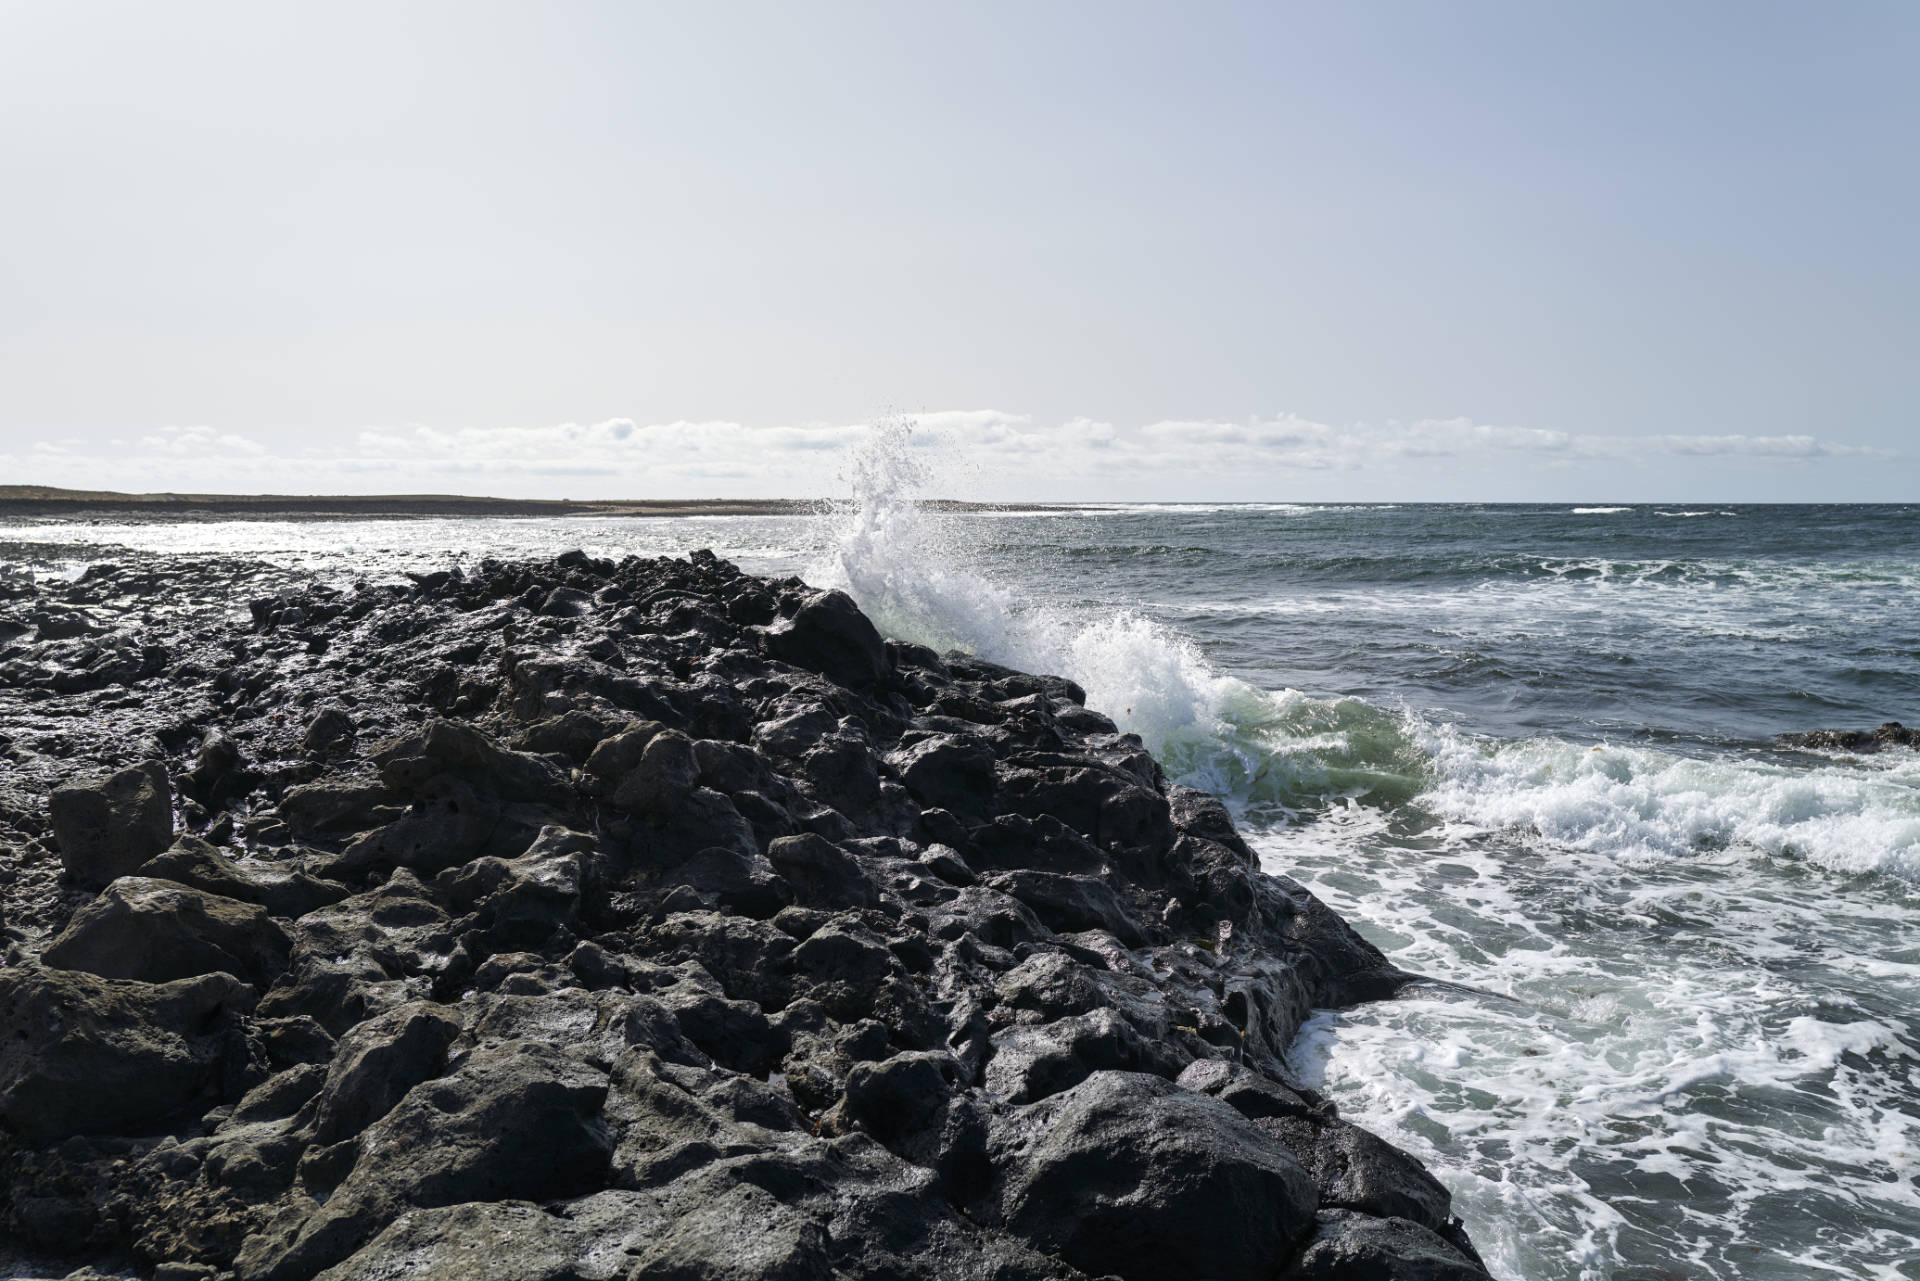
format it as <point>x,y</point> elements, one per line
<point>1525,749</point>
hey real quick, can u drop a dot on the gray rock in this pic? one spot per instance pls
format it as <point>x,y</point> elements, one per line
<point>820,872</point>
<point>1355,1247</point>
<point>665,776</point>
<point>377,1063</point>
<point>951,771</point>
<point>87,1055</point>
<point>108,827</point>
<point>157,931</point>
<point>1130,1175</point>
<point>478,1241</point>
<point>520,1121</point>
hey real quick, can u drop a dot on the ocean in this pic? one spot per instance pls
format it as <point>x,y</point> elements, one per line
<point>1528,750</point>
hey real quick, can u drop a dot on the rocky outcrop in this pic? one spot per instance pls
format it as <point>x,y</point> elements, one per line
<point>1886,734</point>
<point>582,920</point>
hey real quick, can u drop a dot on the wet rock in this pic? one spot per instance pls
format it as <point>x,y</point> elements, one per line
<point>1071,903</point>
<point>331,731</point>
<point>1888,734</point>
<point>1354,1247</point>
<point>828,634</point>
<point>1355,1170</point>
<point>109,827</point>
<point>282,891</point>
<point>156,931</point>
<point>1129,1175</point>
<point>647,919</point>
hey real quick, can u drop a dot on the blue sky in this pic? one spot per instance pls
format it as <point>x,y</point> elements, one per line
<point>1099,251</point>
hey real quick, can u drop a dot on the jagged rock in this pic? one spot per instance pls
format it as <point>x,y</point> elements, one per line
<point>651,920</point>
<point>375,1065</point>
<point>821,874</point>
<point>1355,1247</point>
<point>332,807</point>
<point>1130,1175</point>
<point>331,730</point>
<point>1355,1170</point>
<point>514,1122</point>
<point>193,862</point>
<point>86,1055</point>
<point>829,634</point>
<point>109,827</point>
<point>156,931</point>
<point>477,1241</point>
<point>949,771</point>
<point>663,777</point>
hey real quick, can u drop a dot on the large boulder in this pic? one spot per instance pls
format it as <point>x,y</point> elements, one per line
<point>478,1241</point>
<point>108,827</point>
<point>1129,1175</point>
<point>518,1121</point>
<point>1356,1247</point>
<point>81,1054</point>
<point>156,931</point>
<point>377,1063</point>
<point>828,634</point>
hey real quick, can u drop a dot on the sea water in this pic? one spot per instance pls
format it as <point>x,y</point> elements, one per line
<point>1526,749</point>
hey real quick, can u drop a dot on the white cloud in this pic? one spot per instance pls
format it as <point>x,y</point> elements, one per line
<point>982,452</point>
<point>195,442</point>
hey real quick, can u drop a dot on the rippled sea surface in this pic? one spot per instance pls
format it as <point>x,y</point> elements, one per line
<point>1526,749</point>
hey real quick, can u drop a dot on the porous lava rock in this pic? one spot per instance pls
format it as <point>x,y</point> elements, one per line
<point>579,920</point>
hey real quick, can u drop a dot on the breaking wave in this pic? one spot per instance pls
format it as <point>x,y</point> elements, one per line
<point>916,571</point>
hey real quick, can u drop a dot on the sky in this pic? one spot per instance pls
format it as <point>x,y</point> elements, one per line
<point>1094,251</point>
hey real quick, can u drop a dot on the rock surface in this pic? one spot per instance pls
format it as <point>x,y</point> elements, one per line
<point>577,920</point>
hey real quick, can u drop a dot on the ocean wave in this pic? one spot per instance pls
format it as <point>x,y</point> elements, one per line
<point>918,575</point>
<point>1643,803</point>
<point>1600,511</point>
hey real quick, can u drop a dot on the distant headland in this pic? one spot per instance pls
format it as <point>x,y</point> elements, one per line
<point>30,501</point>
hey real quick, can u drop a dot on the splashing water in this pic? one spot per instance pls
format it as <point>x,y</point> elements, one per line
<point>912,570</point>
<point>1706,1061</point>
<point>1677,1082</point>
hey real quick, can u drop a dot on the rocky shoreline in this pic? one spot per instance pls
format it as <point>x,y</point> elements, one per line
<point>577,920</point>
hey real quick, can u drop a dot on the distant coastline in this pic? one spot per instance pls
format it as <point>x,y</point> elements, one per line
<point>46,502</point>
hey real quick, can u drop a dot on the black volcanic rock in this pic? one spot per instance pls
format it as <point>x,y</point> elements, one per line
<point>587,920</point>
<point>1887,734</point>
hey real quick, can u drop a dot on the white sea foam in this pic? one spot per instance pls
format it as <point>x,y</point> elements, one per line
<point>1677,1077</point>
<point>912,570</point>
<point>1642,803</point>
<point>1678,1081</point>
<point>1600,511</point>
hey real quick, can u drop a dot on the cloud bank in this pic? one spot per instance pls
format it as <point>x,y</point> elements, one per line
<point>981,453</point>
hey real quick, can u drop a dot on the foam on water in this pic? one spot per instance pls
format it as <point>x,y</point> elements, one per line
<point>912,570</point>
<point>1673,1073</point>
<point>1699,1055</point>
<point>1640,803</point>
<point>1682,1074</point>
